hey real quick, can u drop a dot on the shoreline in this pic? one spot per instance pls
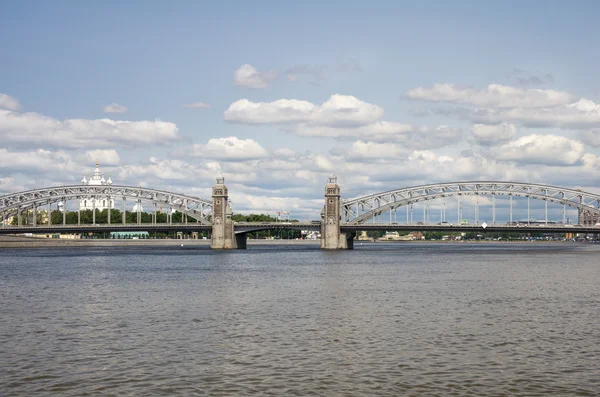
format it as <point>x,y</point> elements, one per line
<point>33,242</point>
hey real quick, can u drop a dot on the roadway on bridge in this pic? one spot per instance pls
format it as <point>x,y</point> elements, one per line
<point>247,227</point>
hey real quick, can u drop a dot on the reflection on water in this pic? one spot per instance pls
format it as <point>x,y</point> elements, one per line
<point>384,319</point>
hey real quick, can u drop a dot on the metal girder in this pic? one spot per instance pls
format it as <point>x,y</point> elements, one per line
<point>353,211</point>
<point>198,208</point>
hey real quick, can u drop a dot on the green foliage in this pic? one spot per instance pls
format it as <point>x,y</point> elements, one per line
<point>86,217</point>
<point>253,218</point>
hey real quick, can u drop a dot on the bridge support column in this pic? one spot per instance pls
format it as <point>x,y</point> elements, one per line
<point>223,236</point>
<point>331,236</point>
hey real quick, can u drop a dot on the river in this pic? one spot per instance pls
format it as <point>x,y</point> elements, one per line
<point>407,319</point>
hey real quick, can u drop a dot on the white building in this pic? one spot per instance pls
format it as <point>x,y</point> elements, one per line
<point>102,203</point>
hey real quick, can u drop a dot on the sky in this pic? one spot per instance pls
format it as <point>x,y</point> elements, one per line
<point>275,96</point>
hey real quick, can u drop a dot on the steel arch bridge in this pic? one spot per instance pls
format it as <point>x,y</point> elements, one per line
<point>195,207</point>
<point>361,210</point>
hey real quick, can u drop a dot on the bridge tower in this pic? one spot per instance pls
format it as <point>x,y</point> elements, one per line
<point>331,236</point>
<point>223,236</point>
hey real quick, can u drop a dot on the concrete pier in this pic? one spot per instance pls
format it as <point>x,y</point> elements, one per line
<point>223,236</point>
<point>331,237</point>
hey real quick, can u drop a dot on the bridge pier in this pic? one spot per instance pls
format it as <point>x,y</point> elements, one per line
<point>223,236</point>
<point>331,236</point>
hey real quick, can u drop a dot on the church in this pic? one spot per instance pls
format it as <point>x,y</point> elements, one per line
<point>96,179</point>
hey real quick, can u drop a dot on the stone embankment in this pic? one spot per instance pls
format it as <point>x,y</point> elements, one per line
<point>32,242</point>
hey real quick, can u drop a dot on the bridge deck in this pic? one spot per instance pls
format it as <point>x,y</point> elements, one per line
<point>247,227</point>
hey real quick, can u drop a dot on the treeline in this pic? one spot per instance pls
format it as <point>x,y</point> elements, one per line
<point>258,218</point>
<point>101,217</point>
<point>437,235</point>
<point>282,234</point>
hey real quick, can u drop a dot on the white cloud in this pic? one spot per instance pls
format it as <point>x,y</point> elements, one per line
<point>284,152</point>
<point>40,160</point>
<point>338,110</point>
<point>197,105</point>
<point>341,116</point>
<point>247,76</point>
<point>412,137</point>
<point>541,149</point>
<point>381,131</point>
<point>9,103</point>
<point>433,138</point>
<point>6,184</point>
<point>115,108</point>
<point>107,157</point>
<point>277,112</point>
<point>494,96</point>
<point>155,172</point>
<point>581,114</point>
<point>28,129</point>
<point>374,151</point>
<point>486,134</point>
<point>230,148</point>
<point>591,137</point>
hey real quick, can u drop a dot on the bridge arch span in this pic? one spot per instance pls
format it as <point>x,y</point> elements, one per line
<point>195,207</point>
<point>362,209</point>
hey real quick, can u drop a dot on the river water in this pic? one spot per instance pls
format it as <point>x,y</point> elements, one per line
<point>403,319</point>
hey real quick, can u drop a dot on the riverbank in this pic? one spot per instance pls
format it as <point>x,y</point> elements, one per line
<point>32,242</point>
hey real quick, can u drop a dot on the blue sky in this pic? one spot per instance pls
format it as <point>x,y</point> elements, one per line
<point>67,60</point>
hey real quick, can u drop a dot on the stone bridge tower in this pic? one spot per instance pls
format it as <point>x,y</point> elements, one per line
<point>223,236</point>
<point>331,236</point>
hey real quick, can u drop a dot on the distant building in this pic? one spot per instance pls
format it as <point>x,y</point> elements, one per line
<point>587,218</point>
<point>129,235</point>
<point>101,203</point>
<point>395,236</point>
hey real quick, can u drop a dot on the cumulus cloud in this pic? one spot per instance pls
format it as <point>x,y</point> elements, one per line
<point>381,131</point>
<point>197,105</point>
<point>504,104</point>
<point>6,184</point>
<point>29,129</point>
<point>230,148</point>
<point>115,108</point>
<point>495,96</point>
<point>486,134</point>
<point>591,137</point>
<point>374,151</point>
<point>284,152</point>
<point>580,114</point>
<point>277,112</point>
<point>338,110</point>
<point>247,76</point>
<point>541,149</point>
<point>106,157</point>
<point>413,137</point>
<point>342,117</point>
<point>36,160</point>
<point>9,103</point>
<point>154,172</point>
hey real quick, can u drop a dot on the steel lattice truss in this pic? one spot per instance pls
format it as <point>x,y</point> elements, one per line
<point>362,209</point>
<point>197,208</point>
